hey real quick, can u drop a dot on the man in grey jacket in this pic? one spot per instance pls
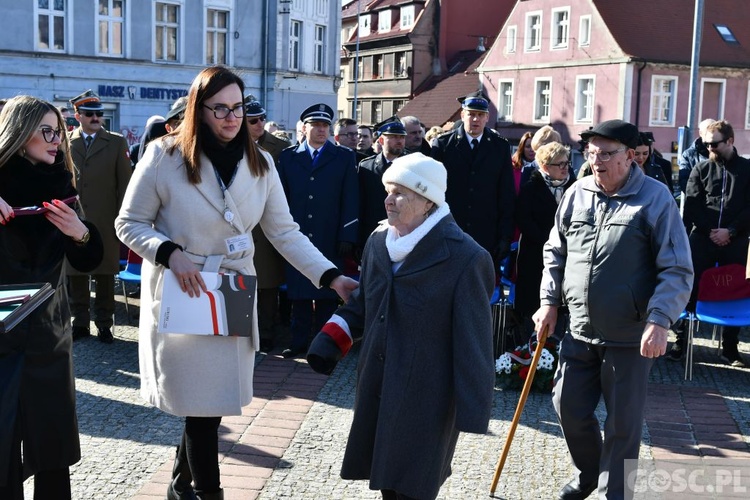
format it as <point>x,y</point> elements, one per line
<point>618,257</point>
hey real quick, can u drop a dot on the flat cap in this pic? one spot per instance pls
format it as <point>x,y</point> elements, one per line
<point>615,130</point>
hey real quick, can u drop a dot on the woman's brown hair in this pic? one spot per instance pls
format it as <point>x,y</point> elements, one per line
<point>518,158</point>
<point>188,137</point>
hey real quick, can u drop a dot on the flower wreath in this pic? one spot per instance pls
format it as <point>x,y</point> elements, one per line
<point>512,367</point>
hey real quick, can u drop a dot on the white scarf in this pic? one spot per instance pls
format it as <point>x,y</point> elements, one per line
<point>399,247</point>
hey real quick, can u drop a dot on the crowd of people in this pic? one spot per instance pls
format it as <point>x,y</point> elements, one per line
<point>392,234</point>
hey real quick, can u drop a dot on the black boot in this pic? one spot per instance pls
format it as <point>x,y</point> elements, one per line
<point>217,495</point>
<point>181,487</point>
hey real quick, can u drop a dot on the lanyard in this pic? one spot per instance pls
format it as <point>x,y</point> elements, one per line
<point>228,214</point>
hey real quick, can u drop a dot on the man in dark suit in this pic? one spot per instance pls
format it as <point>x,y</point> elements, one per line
<point>103,171</point>
<point>480,178</point>
<point>269,265</point>
<point>391,134</point>
<point>345,134</point>
<point>320,182</point>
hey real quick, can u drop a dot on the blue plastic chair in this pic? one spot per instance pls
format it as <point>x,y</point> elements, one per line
<point>131,274</point>
<point>722,313</point>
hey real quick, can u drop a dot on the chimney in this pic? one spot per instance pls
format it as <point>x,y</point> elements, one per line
<point>480,44</point>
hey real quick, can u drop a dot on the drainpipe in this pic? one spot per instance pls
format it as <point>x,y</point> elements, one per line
<point>264,70</point>
<point>638,94</point>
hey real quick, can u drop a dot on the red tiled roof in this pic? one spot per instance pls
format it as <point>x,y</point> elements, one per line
<point>435,102</point>
<point>662,31</point>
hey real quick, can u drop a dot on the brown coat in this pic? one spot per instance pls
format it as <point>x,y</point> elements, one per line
<point>102,175</point>
<point>269,265</point>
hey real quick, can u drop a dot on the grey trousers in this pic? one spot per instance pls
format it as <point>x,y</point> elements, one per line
<point>585,373</point>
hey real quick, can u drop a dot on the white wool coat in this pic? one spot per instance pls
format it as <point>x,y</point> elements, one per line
<point>196,375</point>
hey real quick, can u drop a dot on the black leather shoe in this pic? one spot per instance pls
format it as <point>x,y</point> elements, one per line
<point>575,491</point>
<point>266,345</point>
<point>188,493</point>
<point>80,332</point>
<point>292,353</point>
<point>105,335</point>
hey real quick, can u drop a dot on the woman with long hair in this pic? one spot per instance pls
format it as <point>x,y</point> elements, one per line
<point>523,156</point>
<point>190,207</point>
<point>37,387</point>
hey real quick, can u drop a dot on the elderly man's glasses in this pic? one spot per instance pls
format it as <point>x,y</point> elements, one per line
<point>89,114</point>
<point>255,119</point>
<point>562,164</point>
<point>601,155</point>
<point>350,135</point>
<point>714,144</point>
<point>49,133</point>
<point>221,111</point>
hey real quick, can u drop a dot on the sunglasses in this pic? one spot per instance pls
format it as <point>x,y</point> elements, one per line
<point>89,114</point>
<point>714,144</point>
<point>256,119</point>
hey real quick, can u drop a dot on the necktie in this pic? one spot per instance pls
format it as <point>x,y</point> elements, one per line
<point>474,148</point>
<point>315,154</point>
<point>89,140</point>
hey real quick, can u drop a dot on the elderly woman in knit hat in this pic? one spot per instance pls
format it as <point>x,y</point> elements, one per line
<point>425,368</point>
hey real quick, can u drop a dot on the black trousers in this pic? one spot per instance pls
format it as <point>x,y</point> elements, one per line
<point>394,495</point>
<point>104,300</point>
<point>48,484</point>
<point>200,449</point>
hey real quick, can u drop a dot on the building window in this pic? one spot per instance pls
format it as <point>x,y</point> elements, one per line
<point>560,25</point>
<point>295,34</point>
<point>376,111</point>
<point>747,107</point>
<point>663,99</point>
<point>364,25</point>
<point>510,40</point>
<point>397,105</point>
<point>584,99</point>
<point>713,93</point>
<point>726,34</point>
<point>584,31</point>
<point>533,35</point>
<point>377,66</point>
<point>384,20</point>
<point>167,30</point>
<point>321,7</point>
<point>51,25</point>
<point>217,28</point>
<point>358,112</point>
<point>542,99</point>
<point>505,101</point>
<point>320,39</point>
<point>110,19</point>
<point>407,16</point>
<point>401,65</point>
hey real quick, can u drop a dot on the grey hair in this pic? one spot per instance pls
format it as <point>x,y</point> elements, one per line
<point>410,120</point>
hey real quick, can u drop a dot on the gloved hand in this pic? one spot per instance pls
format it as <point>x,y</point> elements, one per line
<point>323,354</point>
<point>346,249</point>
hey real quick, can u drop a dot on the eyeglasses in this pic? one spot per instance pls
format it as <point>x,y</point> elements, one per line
<point>89,114</point>
<point>253,120</point>
<point>714,144</point>
<point>562,164</point>
<point>221,112</point>
<point>350,135</point>
<point>601,155</point>
<point>49,134</point>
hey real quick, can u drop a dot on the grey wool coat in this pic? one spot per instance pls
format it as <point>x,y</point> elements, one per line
<point>426,368</point>
<point>202,375</point>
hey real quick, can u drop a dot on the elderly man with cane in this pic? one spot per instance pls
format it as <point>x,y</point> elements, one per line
<point>618,257</point>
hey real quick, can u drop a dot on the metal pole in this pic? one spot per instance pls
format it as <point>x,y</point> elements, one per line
<point>694,69</point>
<point>356,68</point>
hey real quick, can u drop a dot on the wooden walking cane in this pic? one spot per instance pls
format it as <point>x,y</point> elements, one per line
<point>542,339</point>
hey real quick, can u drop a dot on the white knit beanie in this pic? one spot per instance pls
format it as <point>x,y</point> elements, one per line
<point>421,174</point>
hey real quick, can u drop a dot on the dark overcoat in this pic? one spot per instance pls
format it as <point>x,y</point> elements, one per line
<point>425,368</point>
<point>481,191</point>
<point>324,200</point>
<point>269,264</point>
<point>535,216</point>
<point>32,250</point>
<point>103,172</point>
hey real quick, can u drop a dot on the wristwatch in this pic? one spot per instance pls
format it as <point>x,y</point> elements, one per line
<point>84,239</point>
<point>732,232</point>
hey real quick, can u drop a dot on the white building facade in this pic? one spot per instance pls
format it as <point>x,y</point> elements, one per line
<point>141,55</point>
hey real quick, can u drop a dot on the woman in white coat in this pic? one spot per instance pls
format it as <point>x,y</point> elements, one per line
<point>195,195</point>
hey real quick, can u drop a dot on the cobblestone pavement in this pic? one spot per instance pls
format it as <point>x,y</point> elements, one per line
<point>289,443</point>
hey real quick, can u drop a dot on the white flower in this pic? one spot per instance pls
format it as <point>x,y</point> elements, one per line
<point>503,363</point>
<point>546,360</point>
